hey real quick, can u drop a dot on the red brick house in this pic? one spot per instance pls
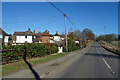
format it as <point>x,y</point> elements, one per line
<point>43,37</point>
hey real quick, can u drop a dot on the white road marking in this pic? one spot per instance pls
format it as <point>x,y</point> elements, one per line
<point>106,63</point>
<point>104,60</point>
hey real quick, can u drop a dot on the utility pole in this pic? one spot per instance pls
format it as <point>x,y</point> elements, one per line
<point>66,34</point>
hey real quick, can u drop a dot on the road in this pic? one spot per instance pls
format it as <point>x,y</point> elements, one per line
<point>91,62</point>
<point>96,62</point>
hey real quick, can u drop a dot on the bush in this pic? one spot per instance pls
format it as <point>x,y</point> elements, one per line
<point>71,46</point>
<point>54,49</point>
<point>32,50</point>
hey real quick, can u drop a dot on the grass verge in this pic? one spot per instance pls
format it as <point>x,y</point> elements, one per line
<point>114,43</point>
<point>109,47</point>
<point>16,66</point>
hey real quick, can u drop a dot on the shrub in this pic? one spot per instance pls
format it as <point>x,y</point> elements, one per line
<point>32,50</point>
<point>71,46</point>
<point>54,49</point>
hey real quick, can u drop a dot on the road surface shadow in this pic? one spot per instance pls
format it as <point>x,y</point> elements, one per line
<point>95,46</point>
<point>103,55</point>
<point>30,67</point>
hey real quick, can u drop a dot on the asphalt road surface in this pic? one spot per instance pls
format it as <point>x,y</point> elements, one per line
<point>96,62</point>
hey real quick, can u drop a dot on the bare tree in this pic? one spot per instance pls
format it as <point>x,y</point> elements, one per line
<point>88,34</point>
<point>77,34</point>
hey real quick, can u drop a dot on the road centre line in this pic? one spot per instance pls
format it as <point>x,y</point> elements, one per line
<point>107,64</point>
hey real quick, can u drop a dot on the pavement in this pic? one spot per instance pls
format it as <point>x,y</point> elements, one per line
<point>91,62</point>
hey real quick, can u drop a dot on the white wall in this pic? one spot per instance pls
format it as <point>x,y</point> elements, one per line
<point>22,39</point>
<point>6,39</point>
<point>62,38</point>
<point>51,41</point>
<point>1,36</point>
<point>60,49</point>
<point>57,38</point>
<point>40,42</point>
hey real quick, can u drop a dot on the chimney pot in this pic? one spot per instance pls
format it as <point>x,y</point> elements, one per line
<point>28,29</point>
<point>56,32</point>
<point>34,31</point>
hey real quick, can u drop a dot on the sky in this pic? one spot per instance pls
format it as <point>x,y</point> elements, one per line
<point>41,16</point>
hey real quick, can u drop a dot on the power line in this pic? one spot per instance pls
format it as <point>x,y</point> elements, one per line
<point>71,22</point>
<point>56,7</point>
<point>63,14</point>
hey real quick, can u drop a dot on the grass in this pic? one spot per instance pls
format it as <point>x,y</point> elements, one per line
<point>114,43</point>
<point>111,46</point>
<point>16,66</point>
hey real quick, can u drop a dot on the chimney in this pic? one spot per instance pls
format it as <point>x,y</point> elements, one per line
<point>56,32</point>
<point>28,29</point>
<point>48,32</point>
<point>34,31</point>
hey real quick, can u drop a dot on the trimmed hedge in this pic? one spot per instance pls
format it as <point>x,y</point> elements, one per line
<point>54,49</point>
<point>32,50</point>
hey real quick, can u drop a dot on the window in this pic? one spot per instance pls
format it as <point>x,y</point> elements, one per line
<point>25,36</point>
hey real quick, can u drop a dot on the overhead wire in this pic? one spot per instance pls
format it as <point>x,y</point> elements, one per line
<point>63,14</point>
<point>56,7</point>
<point>71,22</point>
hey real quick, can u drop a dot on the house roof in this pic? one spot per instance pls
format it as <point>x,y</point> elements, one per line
<point>57,34</point>
<point>3,32</point>
<point>45,33</point>
<point>23,33</point>
<point>27,33</point>
<point>37,34</point>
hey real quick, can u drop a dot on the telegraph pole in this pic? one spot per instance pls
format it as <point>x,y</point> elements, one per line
<point>66,34</point>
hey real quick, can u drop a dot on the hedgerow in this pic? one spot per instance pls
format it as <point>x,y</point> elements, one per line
<point>16,52</point>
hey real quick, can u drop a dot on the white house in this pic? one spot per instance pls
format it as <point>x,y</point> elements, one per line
<point>23,37</point>
<point>3,37</point>
<point>52,40</point>
<point>56,38</point>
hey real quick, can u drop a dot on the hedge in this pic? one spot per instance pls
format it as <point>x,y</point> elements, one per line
<point>32,50</point>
